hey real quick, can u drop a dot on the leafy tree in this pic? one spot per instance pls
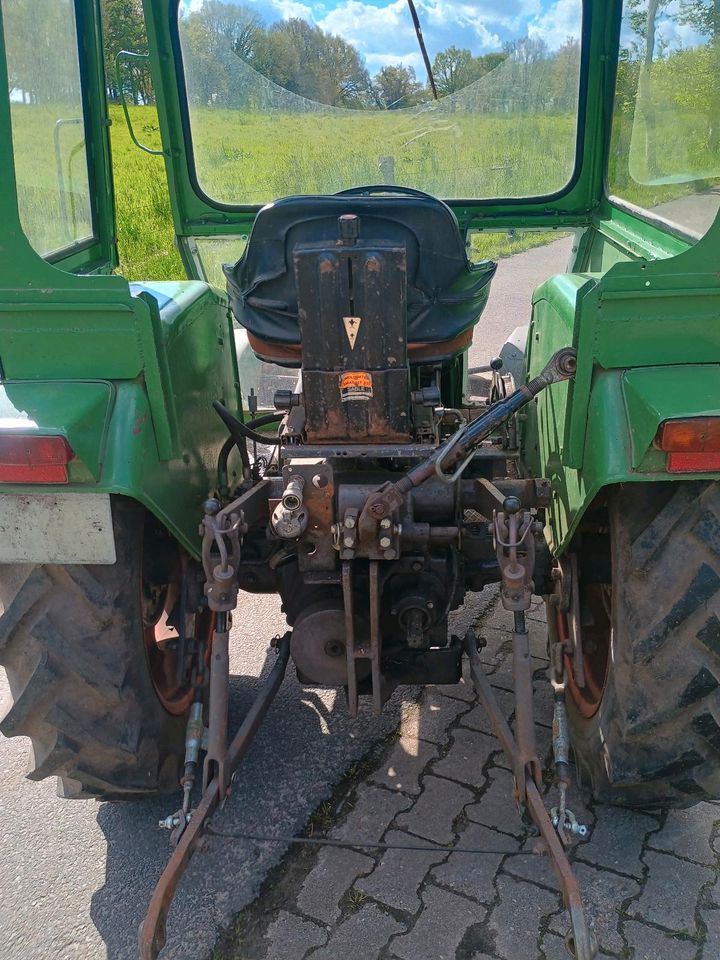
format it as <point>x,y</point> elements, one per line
<point>455,69</point>
<point>397,87</point>
<point>234,25</point>
<point>124,29</point>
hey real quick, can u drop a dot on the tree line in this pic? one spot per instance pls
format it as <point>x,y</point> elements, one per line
<point>310,63</point>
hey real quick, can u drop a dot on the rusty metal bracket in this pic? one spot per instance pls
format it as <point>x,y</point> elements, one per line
<point>152,933</point>
<point>355,651</point>
<point>390,496</point>
<point>583,944</point>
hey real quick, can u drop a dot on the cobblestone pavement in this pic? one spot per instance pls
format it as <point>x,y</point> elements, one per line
<point>650,880</point>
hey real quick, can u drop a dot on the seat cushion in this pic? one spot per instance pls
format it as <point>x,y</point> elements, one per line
<point>445,292</point>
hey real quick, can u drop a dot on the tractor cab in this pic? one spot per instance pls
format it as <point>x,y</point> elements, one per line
<point>285,407</point>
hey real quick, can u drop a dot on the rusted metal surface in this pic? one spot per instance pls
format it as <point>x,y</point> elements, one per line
<point>375,638</point>
<point>355,373</point>
<point>152,934</point>
<point>348,601</point>
<point>388,498</point>
<point>214,766</point>
<point>582,942</point>
<point>526,757</point>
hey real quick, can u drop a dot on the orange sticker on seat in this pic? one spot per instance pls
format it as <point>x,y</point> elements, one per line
<point>356,385</point>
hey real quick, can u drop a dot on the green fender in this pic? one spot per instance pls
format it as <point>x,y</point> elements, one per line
<point>599,428</point>
<point>151,434</point>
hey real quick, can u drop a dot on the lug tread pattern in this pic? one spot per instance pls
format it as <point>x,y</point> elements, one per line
<point>71,643</point>
<point>656,738</point>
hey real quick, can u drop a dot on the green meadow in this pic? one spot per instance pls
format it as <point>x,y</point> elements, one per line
<point>246,157</point>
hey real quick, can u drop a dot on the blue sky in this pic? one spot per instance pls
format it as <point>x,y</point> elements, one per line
<point>383,33</point>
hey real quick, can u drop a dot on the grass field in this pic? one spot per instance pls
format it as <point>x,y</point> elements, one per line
<point>143,208</point>
<point>243,156</point>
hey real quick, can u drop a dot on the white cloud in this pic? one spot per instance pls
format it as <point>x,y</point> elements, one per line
<point>376,61</point>
<point>561,20</point>
<point>287,9</point>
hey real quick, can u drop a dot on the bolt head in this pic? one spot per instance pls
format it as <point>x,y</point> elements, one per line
<point>349,522</point>
<point>348,541</point>
<point>385,523</point>
<point>430,605</point>
<point>385,542</point>
<point>389,554</point>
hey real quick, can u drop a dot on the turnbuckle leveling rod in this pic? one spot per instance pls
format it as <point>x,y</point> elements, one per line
<point>152,934</point>
<point>582,942</point>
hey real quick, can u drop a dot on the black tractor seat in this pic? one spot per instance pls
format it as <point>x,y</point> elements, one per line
<point>445,292</point>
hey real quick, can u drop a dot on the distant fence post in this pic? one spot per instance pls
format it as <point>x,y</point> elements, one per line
<point>387,169</point>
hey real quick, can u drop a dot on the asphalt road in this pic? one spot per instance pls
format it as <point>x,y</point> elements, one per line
<point>76,876</point>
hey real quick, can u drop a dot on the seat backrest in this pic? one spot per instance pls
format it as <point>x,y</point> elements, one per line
<point>445,292</point>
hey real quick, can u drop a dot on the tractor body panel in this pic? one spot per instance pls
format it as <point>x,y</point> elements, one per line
<point>129,380</point>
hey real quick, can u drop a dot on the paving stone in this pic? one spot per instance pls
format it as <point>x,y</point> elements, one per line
<point>397,878</point>
<point>532,866</point>
<point>464,690</point>
<point>440,927</point>
<point>407,760</point>
<point>290,929</point>
<point>360,937</point>
<point>335,871</point>
<point>537,611</point>
<point>671,891</point>
<point>543,697</point>
<point>515,921</point>
<point>687,833</point>
<point>374,811</point>
<point>603,895</point>
<point>715,893</point>
<point>554,947</point>
<point>711,947</point>
<point>469,752</point>
<point>496,808</point>
<point>617,840</point>
<point>648,943</point>
<point>474,874</point>
<point>502,676</point>
<point>498,642</point>
<point>478,719</point>
<point>430,718</point>
<point>436,809</point>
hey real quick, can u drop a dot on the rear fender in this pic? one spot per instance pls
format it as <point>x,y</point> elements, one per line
<point>625,409</point>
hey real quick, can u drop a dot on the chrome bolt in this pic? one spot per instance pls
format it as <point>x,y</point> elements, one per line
<point>385,542</point>
<point>385,523</point>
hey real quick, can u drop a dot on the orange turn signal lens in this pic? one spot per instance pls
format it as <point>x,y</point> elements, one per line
<point>34,459</point>
<point>692,435</point>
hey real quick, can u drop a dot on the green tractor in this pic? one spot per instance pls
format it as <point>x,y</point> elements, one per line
<point>308,426</point>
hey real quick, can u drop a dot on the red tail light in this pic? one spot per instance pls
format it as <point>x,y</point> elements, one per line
<point>692,444</point>
<point>34,459</point>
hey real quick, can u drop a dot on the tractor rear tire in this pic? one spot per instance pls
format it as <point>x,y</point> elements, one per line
<point>73,644</point>
<point>652,738</point>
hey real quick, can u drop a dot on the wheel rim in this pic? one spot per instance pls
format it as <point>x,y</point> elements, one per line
<point>160,587</point>
<point>595,642</point>
<point>161,648</point>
